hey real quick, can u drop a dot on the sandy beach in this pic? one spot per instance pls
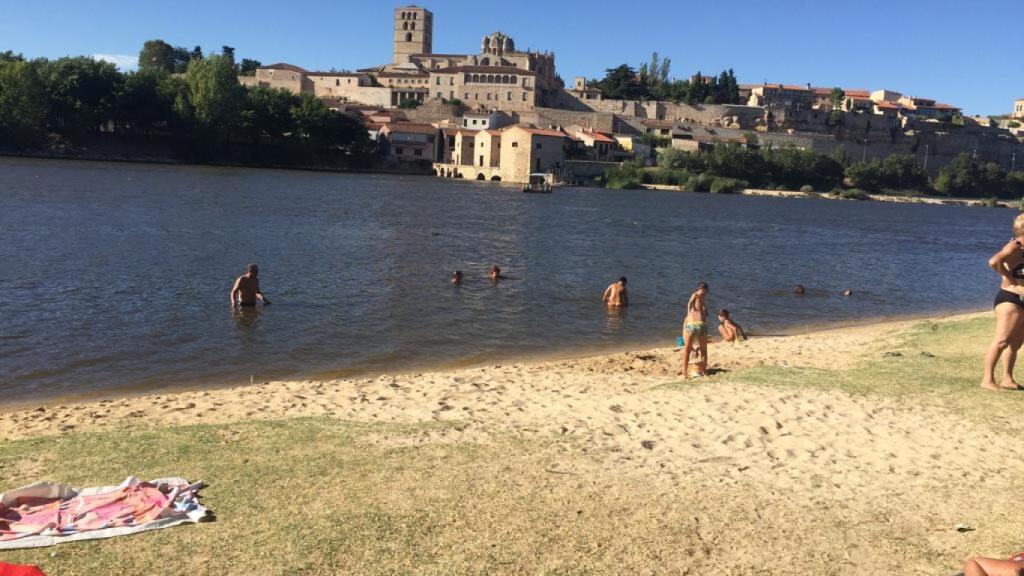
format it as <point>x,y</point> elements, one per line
<point>777,474</point>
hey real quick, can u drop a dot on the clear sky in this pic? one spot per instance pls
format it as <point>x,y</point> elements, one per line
<point>951,50</point>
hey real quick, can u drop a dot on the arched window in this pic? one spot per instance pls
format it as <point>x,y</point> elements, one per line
<point>403,15</point>
<point>415,15</point>
<point>467,78</point>
<point>514,80</point>
<point>412,26</point>
<point>504,79</point>
<point>408,36</point>
<point>476,77</point>
<point>405,25</point>
<point>490,78</point>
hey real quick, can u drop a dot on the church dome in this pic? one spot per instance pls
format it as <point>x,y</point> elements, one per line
<point>498,43</point>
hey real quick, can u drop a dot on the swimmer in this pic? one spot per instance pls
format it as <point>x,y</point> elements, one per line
<point>246,290</point>
<point>457,277</point>
<point>615,296</point>
<point>799,290</point>
<point>495,274</point>
<point>730,331</point>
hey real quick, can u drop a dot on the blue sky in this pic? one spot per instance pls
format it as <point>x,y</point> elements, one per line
<point>953,51</point>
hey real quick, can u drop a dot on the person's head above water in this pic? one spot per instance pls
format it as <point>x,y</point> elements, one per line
<point>495,271</point>
<point>457,275</point>
<point>623,280</point>
<point>252,270</point>
<point>847,292</point>
<point>799,290</point>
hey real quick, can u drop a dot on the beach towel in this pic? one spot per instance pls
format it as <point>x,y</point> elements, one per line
<point>47,513</point>
<point>19,570</point>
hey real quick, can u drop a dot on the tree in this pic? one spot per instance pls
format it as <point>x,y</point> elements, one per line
<point>197,54</point>
<point>620,83</point>
<point>182,56</point>
<point>214,93</point>
<point>248,67</point>
<point>837,96</point>
<point>22,104</point>
<point>157,55</point>
<point>82,93</point>
<point>409,104</point>
<point>268,113</point>
<point>228,52</point>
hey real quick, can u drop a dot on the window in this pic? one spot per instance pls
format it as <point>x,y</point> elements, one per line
<point>467,96</point>
<point>524,96</point>
<point>488,95</point>
<point>413,25</point>
<point>337,82</point>
<point>515,144</point>
<point>438,82</point>
<point>398,151</point>
<point>408,36</point>
<point>405,25</point>
<point>509,97</point>
<point>539,146</point>
<point>417,152</point>
<point>474,122</point>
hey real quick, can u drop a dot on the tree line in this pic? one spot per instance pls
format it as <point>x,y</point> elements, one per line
<point>178,95</point>
<point>731,167</point>
<point>651,82</point>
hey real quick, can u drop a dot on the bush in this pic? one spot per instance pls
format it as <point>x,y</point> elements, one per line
<point>699,183</point>
<point>669,177</point>
<point>807,189</point>
<point>990,202</point>
<point>853,194</point>
<point>721,185</point>
<point>626,176</point>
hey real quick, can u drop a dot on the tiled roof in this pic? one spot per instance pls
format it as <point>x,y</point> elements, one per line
<point>857,93</point>
<point>885,104</point>
<point>332,74</point>
<point>412,128</point>
<point>599,137</point>
<point>284,66</point>
<point>539,131</point>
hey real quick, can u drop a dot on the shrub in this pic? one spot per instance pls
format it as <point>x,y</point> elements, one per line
<point>726,185</point>
<point>627,176</point>
<point>699,183</point>
<point>807,189</point>
<point>853,194</point>
<point>990,202</point>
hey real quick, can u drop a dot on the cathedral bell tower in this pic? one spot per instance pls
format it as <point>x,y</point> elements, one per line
<point>414,32</point>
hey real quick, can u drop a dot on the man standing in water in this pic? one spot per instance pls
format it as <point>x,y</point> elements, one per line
<point>247,288</point>
<point>615,296</point>
<point>695,329</point>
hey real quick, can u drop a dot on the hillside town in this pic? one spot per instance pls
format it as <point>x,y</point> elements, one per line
<point>503,113</point>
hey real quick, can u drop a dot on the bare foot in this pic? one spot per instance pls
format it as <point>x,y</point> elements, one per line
<point>991,385</point>
<point>1009,384</point>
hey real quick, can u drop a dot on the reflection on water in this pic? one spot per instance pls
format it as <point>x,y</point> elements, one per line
<point>358,267</point>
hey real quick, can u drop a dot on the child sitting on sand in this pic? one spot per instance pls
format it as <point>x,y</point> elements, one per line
<point>730,331</point>
<point>982,566</point>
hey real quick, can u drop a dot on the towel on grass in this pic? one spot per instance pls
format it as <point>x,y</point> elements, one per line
<point>47,513</point>
<point>19,570</point>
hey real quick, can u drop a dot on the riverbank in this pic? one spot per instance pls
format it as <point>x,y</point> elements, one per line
<point>853,450</point>
<point>901,199</point>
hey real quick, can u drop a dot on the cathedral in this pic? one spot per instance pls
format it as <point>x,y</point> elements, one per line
<point>498,77</point>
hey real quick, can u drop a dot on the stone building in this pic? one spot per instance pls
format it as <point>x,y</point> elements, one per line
<point>1018,108</point>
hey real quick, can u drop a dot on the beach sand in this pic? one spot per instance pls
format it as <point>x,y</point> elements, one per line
<point>830,478</point>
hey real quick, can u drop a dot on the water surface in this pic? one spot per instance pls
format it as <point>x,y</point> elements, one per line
<point>117,275</point>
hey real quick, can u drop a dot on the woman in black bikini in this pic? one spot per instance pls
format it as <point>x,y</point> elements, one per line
<point>1009,307</point>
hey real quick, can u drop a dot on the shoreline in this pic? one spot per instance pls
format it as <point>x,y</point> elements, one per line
<point>758,351</point>
<point>581,353</point>
<point>892,198</point>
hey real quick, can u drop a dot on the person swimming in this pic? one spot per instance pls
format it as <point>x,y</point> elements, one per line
<point>457,277</point>
<point>695,328</point>
<point>730,331</point>
<point>799,290</point>
<point>246,290</point>
<point>615,296</point>
<point>495,274</point>
<point>847,292</point>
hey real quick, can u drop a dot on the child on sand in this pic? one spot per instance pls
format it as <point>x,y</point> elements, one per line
<point>730,331</point>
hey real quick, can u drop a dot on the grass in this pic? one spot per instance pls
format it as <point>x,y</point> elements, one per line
<point>318,496</point>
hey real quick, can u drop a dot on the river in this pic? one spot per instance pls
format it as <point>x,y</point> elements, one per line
<point>115,277</point>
